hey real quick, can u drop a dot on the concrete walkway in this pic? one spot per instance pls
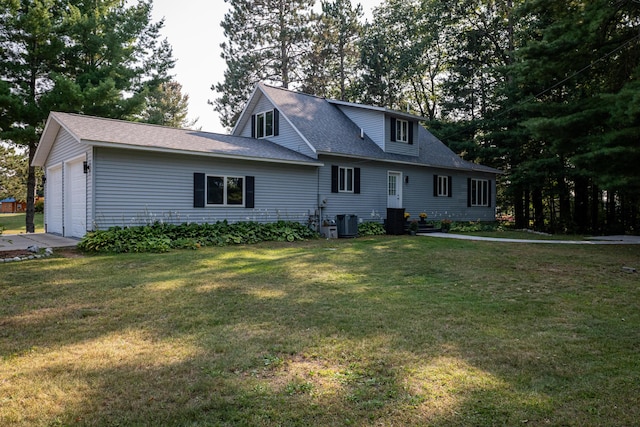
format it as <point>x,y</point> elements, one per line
<point>14,242</point>
<point>597,240</point>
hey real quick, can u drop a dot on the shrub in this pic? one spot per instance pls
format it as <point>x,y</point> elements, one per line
<point>39,206</point>
<point>370,229</point>
<point>160,237</point>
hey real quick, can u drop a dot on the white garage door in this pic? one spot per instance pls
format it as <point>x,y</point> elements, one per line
<point>75,197</point>
<point>53,200</point>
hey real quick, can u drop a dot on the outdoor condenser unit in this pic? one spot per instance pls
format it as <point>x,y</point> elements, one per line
<point>347,225</point>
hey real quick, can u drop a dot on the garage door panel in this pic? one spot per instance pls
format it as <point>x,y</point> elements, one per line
<point>75,208</point>
<point>53,204</point>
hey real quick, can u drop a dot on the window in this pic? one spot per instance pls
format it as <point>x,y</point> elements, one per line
<point>265,124</point>
<point>479,192</point>
<point>402,131</point>
<point>443,186</point>
<point>225,190</point>
<point>345,180</point>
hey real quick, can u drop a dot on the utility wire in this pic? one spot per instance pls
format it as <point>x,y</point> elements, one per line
<point>580,71</point>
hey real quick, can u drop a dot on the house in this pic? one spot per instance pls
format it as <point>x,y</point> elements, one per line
<point>11,205</point>
<point>290,156</point>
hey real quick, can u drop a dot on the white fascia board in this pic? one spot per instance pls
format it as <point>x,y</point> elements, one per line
<point>241,118</point>
<point>199,153</point>
<point>380,109</point>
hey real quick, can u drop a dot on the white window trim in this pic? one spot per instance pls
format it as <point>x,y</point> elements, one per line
<point>400,126</point>
<point>224,193</point>
<point>480,198</point>
<point>262,117</point>
<point>342,179</point>
<point>443,186</point>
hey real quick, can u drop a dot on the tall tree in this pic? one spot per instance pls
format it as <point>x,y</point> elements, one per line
<point>97,57</point>
<point>333,62</point>
<point>583,64</point>
<point>266,41</point>
<point>167,106</point>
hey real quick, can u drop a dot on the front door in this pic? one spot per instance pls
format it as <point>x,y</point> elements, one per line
<point>394,190</point>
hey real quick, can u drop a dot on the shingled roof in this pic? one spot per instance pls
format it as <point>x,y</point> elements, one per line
<point>330,131</point>
<point>117,133</point>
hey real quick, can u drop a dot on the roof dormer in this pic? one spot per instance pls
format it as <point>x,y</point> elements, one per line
<point>393,131</point>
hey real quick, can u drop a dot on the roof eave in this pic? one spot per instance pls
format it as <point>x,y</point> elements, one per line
<point>103,144</point>
<point>407,162</point>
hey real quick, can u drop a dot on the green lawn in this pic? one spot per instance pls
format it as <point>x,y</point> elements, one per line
<point>373,331</point>
<point>15,223</point>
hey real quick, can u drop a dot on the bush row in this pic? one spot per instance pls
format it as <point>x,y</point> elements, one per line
<point>160,237</point>
<point>371,229</point>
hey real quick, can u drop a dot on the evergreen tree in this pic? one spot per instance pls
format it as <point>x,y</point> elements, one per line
<point>167,106</point>
<point>96,58</point>
<point>266,41</point>
<point>333,62</point>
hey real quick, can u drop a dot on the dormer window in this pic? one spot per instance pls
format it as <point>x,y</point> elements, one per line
<point>401,130</point>
<point>264,124</point>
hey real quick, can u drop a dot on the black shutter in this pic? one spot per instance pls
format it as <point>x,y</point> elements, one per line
<point>334,178</point>
<point>253,126</point>
<point>489,193</point>
<point>449,192</point>
<point>468,192</point>
<point>276,122</point>
<point>356,180</point>
<point>393,129</point>
<point>198,190</point>
<point>435,185</point>
<point>250,192</point>
<point>410,126</point>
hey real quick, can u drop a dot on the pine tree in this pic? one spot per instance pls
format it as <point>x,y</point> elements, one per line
<point>96,58</point>
<point>167,106</point>
<point>332,64</point>
<point>266,41</point>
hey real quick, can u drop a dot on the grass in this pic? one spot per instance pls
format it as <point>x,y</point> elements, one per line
<point>15,223</point>
<point>371,331</point>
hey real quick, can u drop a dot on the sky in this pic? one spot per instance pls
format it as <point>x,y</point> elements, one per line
<point>192,27</point>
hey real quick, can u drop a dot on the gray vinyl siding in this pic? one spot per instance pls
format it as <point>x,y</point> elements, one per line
<point>401,147</point>
<point>136,188</point>
<point>66,148</point>
<point>371,203</point>
<point>371,121</point>
<point>287,135</point>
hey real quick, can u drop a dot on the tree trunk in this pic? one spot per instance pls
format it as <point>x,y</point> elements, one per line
<point>538,209</point>
<point>31,191</point>
<point>581,205</point>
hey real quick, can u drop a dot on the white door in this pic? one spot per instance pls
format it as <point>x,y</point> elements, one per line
<point>394,190</point>
<point>53,200</point>
<point>75,197</point>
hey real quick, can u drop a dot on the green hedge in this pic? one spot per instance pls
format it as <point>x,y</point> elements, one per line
<point>161,237</point>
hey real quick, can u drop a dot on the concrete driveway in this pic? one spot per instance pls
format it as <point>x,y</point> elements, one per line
<point>13,242</point>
